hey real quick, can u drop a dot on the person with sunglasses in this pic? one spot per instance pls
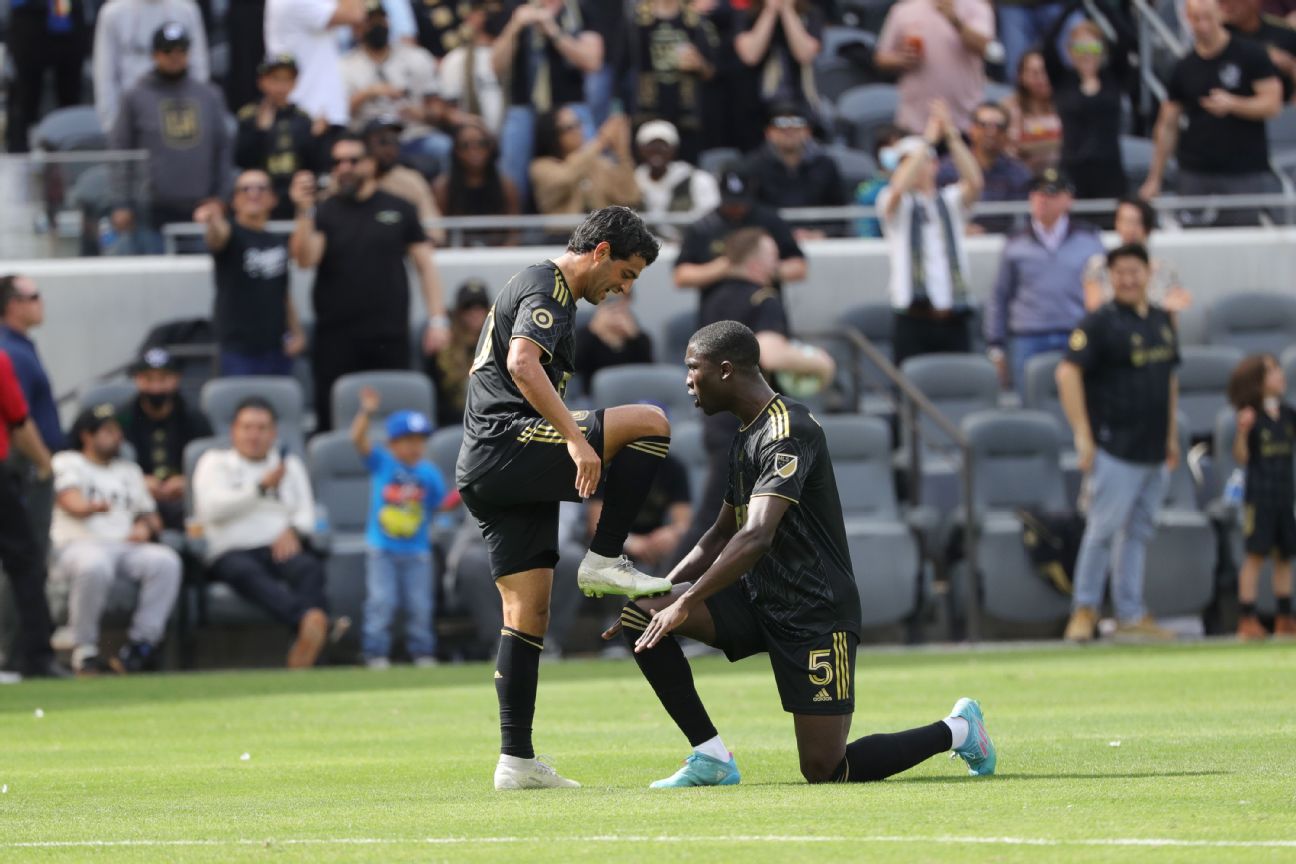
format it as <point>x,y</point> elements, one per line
<point>1004,177</point>
<point>792,170</point>
<point>475,185</point>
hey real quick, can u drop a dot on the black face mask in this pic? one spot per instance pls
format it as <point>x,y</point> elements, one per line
<point>172,76</point>
<point>376,36</point>
<point>156,401</point>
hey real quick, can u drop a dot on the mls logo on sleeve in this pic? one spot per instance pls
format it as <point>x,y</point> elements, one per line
<point>785,465</point>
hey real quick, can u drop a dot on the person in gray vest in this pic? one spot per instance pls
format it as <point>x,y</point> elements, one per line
<point>924,226</point>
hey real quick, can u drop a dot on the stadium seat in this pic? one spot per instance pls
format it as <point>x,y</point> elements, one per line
<point>1282,130</point>
<point>443,451</point>
<point>659,383</point>
<point>687,446</point>
<point>73,128</point>
<point>675,335</point>
<point>117,392</point>
<point>958,385</point>
<point>399,389</point>
<point>836,75</point>
<point>1253,321</point>
<point>863,109</point>
<point>996,91</point>
<point>874,321</point>
<point>1180,573</point>
<point>1014,464</point>
<point>341,484</point>
<point>855,167</point>
<point>1204,372</point>
<point>717,159</point>
<point>1041,393</point>
<point>221,396</point>
<point>1288,362</point>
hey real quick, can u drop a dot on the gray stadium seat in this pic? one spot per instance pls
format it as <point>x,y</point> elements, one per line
<point>1136,154</point>
<point>957,384</point>
<point>341,484</point>
<point>1180,573</point>
<point>717,159</point>
<point>874,321</point>
<point>400,391</point>
<point>836,75</point>
<point>1014,464</point>
<point>1253,321</point>
<point>73,128</point>
<point>855,167</point>
<point>1282,130</point>
<point>675,335</point>
<point>221,396</point>
<point>660,383</point>
<point>443,450</point>
<point>1288,362</point>
<point>1041,392</point>
<point>687,446</point>
<point>863,109</point>
<point>1204,373</point>
<point>116,392</point>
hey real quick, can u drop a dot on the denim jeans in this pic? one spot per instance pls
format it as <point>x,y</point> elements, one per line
<point>259,363</point>
<point>1022,27</point>
<point>599,87</point>
<point>399,580</point>
<point>1022,348</point>
<point>1124,499</point>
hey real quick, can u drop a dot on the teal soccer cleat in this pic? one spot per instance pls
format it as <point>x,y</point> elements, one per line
<point>702,770</point>
<point>978,751</point>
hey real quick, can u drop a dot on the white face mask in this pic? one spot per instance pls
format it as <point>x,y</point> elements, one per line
<point>889,159</point>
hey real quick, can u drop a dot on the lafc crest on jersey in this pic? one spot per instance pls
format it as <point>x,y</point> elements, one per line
<point>785,465</point>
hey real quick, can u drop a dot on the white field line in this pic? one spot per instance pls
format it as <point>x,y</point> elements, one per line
<point>947,840</point>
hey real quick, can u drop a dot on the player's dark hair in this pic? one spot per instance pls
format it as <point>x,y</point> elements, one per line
<point>256,403</point>
<point>742,244</point>
<point>1246,384</point>
<point>8,290</point>
<point>1128,250</point>
<point>621,228</point>
<point>1146,212</point>
<point>727,340</point>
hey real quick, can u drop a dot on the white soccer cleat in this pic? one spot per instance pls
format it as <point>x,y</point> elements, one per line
<point>599,575</point>
<point>513,772</point>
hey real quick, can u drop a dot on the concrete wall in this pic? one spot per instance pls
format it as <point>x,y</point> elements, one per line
<point>98,309</point>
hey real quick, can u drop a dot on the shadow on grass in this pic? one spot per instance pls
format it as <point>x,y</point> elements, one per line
<point>1001,778</point>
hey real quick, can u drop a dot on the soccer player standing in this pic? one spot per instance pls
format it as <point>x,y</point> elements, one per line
<point>524,452</point>
<point>773,575</point>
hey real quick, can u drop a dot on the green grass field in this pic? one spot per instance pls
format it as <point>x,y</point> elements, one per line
<point>353,765</point>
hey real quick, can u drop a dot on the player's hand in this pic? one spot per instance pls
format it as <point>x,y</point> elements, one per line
<point>663,622</point>
<point>1246,419</point>
<point>285,546</point>
<point>1084,446</point>
<point>588,466</point>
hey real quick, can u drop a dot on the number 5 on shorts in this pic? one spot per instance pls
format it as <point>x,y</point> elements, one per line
<point>821,668</point>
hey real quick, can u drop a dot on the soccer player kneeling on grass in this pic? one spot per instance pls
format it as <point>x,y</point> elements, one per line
<point>524,452</point>
<point>773,575</point>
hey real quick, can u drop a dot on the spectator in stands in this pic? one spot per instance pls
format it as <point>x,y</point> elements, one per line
<point>1246,18</point>
<point>256,509</point>
<point>746,293</point>
<point>361,236</point>
<point>258,331</point>
<point>1004,177</point>
<point>702,263</point>
<point>475,186</point>
<point>1088,94</point>
<point>662,521</point>
<point>406,489</point>
<point>180,121</point>
<point>448,367</point>
<point>382,138</point>
<point>159,424</point>
<point>275,135</point>
<point>1135,221</point>
<point>923,223</point>
<point>1220,94</point>
<point>468,80</point>
<point>670,185</point>
<point>304,30</point>
<point>936,47</point>
<point>1263,446</point>
<point>106,527</point>
<point>675,48</point>
<point>611,337</point>
<point>40,37</point>
<point>445,27</point>
<point>1038,296</point>
<point>1022,25</point>
<point>572,175</point>
<point>125,48</point>
<point>778,44</point>
<point>1118,388</point>
<point>21,311</point>
<point>791,170</point>
<point>543,52</point>
<point>22,551</point>
<point>386,78</point>
<point>1035,129</point>
<point>887,158</point>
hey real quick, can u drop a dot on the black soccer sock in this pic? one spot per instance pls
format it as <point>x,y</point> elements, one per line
<point>1247,610</point>
<point>875,757</point>
<point>516,671</point>
<point>629,477</point>
<point>1284,605</point>
<point>671,677</point>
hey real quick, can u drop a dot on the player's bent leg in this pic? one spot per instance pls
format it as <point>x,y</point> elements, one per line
<point>627,423</point>
<point>821,745</point>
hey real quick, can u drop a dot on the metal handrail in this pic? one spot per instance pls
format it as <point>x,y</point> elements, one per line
<point>1150,25</point>
<point>915,403</point>
<point>184,351</point>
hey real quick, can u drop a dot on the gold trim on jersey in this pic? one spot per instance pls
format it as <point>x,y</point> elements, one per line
<point>779,417</point>
<point>759,413</point>
<point>773,495</point>
<point>547,355</point>
<point>561,292</point>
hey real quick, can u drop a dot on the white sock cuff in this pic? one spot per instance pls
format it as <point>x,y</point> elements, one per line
<point>958,731</point>
<point>714,748</point>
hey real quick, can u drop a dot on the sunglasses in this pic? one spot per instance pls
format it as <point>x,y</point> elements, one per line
<point>1088,47</point>
<point>568,127</point>
<point>789,123</point>
<point>250,188</point>
<point>346,160</point>
<point>991,124</point>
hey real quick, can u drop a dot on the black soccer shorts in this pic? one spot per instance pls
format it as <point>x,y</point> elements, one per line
<point>1269,530</point>
<point>814,675</point>
<point>516,502</point>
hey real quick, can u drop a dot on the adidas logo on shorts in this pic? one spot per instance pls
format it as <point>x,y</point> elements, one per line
<point>822,696</point>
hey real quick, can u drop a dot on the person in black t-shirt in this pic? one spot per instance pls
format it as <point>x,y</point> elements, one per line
<point>1118,388</point>
<point>359,239</point>
<point>612,337</point>
<point>791,170</point>
<point>276,136</point>
<point>159,425</point>
<point>524,452</point>
<point>675,48</point>
<point>1246,18</point>
<point>1263,443</point>
<point>701,262</point>
<point>662,520</point>
<point>257,329</point>
<point>773,575</point>
<point>1225,89</point>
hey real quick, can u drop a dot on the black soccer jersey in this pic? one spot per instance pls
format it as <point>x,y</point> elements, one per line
<point>805,585</point>
<point>536,305</point>
<point>1269,474</point>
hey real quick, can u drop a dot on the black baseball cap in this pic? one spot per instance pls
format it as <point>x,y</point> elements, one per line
<point>378,124</point>
<point>169,36</point>
<point>1052,181</point>
<point>472,293</point>
<point>788,108</point>
<point>735,188</point>
<point>155,359</point>
<point>92,419</point>
<point>278,61</point>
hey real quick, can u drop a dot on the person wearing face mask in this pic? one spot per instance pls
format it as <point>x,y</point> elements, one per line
<point>887,158</point>
<point>159,424</point>
<point>180,121</point>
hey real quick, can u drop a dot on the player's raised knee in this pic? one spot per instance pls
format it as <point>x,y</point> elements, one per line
<point>655,421</point>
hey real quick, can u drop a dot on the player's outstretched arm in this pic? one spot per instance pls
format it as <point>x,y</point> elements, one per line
<point>527,371</point>
<point>708,548</point>
<point>740,554</point>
